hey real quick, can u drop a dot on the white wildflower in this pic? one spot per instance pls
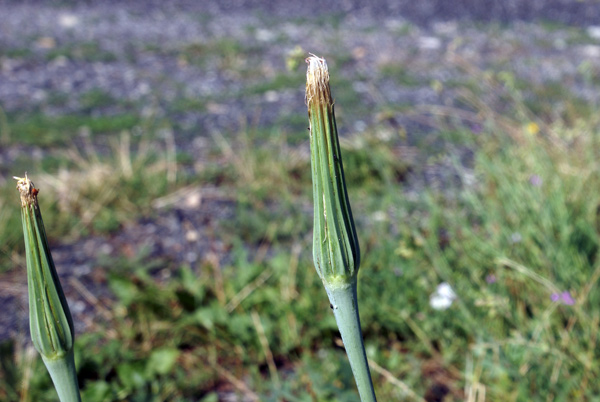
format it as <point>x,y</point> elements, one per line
<point>443,297</point>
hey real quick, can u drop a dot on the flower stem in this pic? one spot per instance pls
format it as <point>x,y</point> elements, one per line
<point>63,373</point>
<point>344,303</point>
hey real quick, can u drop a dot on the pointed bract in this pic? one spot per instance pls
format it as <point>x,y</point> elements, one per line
<point>335,245</point>
<point>50,320</point>
<point>336,251</point>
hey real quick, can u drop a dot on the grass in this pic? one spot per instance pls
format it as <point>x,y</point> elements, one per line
<point>279,82</point>
<point>513,226</point>
<point>88,190</point>
<point>506,244</point>
<point>42,130</point>
<point>228,54</point>
<point>399,74</point>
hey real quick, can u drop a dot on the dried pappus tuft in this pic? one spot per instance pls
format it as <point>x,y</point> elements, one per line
<point>27,190</point>
<point>317,81</point>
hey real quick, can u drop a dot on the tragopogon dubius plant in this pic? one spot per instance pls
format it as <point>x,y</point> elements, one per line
<point>336,252</point>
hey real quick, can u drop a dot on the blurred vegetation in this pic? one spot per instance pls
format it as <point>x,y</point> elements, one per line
<point>513,224</point>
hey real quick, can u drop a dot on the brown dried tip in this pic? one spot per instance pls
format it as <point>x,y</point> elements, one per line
<point>317,80</point>
<point>27,190</point>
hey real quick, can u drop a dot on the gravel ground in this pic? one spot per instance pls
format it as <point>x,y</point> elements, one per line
<point>134,53</point>
<point>135,48</point>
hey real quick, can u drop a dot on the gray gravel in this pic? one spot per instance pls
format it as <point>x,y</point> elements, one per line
<point>137,47</point>
<point>573,12</point>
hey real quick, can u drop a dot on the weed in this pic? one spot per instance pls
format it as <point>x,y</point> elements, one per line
<point>41,130</point>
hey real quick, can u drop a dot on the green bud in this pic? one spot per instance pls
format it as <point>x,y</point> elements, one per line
<point>335,245</point>
<point>50,320</point>
<point>336,252</point>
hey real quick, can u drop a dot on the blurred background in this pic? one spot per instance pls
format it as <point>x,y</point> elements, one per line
<point>169,142</point>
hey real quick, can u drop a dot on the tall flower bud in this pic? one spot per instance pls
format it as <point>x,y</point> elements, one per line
<point>50,320</point>
<point>335,245</point>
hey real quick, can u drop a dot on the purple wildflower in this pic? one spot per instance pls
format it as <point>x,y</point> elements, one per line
<point>491,278</point>
<point>564,298</point>
<point>567,298</point>
<point>535,180</point>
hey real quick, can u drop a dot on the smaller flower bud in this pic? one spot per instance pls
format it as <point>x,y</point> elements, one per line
<point>50,320</point>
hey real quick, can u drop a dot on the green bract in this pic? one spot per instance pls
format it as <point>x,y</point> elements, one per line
<point>50,320</point>
<point>335,246</point>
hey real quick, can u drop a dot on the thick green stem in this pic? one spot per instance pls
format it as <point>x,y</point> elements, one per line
<point>343,299</point>
<point>64,376</point>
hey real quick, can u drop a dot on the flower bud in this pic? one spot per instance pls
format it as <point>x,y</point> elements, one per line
<point>336,252</point>
<point>50,320</point>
